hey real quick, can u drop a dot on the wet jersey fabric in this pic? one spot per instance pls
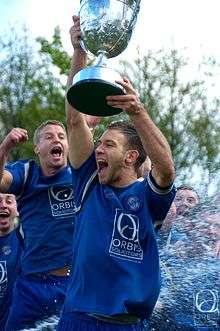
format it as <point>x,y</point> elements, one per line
<point>116,263</point>
<point>46,207</point>
<point>10,252</point>
<point>27,310</point>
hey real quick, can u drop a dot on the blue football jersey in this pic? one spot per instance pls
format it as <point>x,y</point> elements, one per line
<point>46,207</point>
<point>10,252</point>
<point>116,262</point>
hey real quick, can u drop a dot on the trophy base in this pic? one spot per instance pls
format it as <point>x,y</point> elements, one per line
<point>89,97</point>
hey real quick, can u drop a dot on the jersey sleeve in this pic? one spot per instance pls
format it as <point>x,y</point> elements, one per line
<point>17,170</point>
<point>83,177</point>
<point>159,199</point>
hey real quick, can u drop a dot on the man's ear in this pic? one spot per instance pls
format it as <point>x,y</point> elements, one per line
<point>131,157</point>
<point>36,150</point>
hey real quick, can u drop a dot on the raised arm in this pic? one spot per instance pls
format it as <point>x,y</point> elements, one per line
<point>15,137</point>
<point>79,135</point>
<point>154,142</point>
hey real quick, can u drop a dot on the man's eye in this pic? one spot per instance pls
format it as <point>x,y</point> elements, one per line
<point>190,200</point>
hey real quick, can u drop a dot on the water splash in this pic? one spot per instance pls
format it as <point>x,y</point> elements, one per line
<point>47,325</point>
<point>190,262</point>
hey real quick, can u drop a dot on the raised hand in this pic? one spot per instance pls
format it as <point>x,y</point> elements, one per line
<point>75,32</point>
<point>15,137</point>
<point>129,102</point>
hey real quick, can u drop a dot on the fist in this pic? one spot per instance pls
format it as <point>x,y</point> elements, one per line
<point>15,137</point>
<point>75,32</point>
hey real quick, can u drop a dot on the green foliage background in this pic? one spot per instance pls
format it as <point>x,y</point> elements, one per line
<point>32,90</point>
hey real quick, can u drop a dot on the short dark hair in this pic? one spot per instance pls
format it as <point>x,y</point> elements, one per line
<point>38,130</point>
<point>133,139</point>
<point>187,187</point>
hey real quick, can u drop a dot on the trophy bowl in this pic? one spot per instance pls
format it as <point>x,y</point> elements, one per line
<point>106,27</point>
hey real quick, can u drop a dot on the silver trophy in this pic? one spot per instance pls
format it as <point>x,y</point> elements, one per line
<point>106,27</point>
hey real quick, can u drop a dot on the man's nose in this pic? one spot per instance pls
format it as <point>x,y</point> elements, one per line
<point>186,202</point>
<point>3,204</point>
<point>56,139</point>
<point>99,149</point>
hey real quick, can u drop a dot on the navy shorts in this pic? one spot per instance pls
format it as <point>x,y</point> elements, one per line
<point>83,322</point>
<point>36,298</point>
<point>3,318</point>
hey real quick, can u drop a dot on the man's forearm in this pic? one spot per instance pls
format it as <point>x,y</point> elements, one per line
<point>79,135</point>
<point>3,159</point>
<point>155,145</point>
<point>78,62</point>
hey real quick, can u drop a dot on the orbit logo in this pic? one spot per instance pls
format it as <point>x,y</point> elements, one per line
<point>125,237</point>
<point>206,307</point>
<point>61,201</point>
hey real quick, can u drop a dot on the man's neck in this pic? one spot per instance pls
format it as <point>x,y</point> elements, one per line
<point>4,233</point>
<point>51,171</point>
<point>125,180</point>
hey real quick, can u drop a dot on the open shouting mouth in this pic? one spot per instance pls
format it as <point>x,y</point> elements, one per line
<point>56,152</point>
<point>101,165</point>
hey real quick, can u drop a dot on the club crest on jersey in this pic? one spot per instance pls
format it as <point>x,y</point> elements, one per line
<point>6,250</point>
<point>61,201</point>
<point>125,237</point>
<point>133,203</point>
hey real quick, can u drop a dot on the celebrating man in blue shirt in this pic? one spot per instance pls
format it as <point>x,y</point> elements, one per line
<point>46,206</point>
<point>10,252</point>
<point>115,279</point>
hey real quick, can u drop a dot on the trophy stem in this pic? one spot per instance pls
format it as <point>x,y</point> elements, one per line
<point>90,88</point>
<point>101,59</point>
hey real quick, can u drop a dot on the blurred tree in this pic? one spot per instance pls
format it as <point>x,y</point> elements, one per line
<point>181,108</point>
<point>55,51</point>
<point>29,90</point>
